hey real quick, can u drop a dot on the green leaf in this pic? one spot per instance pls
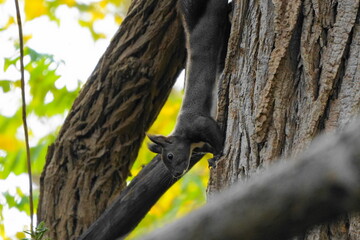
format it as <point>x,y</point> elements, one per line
<point>5,85</point>
<point>10,61</point>
<point>13,164</point>
<point>36,56</point>
<point>39,232</point>
<point>42,81</point>
<point>20,201</point>
<point>38,154</point>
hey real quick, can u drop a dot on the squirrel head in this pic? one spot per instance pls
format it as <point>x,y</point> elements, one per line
<point>175,152</point>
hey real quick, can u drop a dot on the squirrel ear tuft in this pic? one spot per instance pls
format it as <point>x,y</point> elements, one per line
<point>155,148</point>
<point>159,139</point>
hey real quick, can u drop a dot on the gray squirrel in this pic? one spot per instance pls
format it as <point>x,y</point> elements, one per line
<point>206,27</point>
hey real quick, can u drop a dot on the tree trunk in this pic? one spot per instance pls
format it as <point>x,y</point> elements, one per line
<point>293,71</point>
<point>89,163</point>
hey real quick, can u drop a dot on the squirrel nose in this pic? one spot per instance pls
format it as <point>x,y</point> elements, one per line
<point>178,174</point>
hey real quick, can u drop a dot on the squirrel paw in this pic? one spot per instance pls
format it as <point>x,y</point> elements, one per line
<point>212,162</point>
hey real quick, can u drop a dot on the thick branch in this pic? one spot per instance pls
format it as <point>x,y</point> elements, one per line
<point>323,184</point>
<point>87,166</point>
<point>134,202</point>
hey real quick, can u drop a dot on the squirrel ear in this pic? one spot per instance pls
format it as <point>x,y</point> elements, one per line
<point>159,139</point>
<point>156,148</point>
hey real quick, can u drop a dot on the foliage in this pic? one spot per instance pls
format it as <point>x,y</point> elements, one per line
<point>91,11</point>
<point>38,234</point>
<point>47,103</point>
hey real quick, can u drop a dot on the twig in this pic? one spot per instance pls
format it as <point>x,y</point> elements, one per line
<point>24,114</point>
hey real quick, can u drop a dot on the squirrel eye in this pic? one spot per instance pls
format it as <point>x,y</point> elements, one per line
<point>170,156</point>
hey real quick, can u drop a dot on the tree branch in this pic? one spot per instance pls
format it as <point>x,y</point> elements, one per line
<point>134,202</point>
<point>87,166</point>
<point>320,186</point>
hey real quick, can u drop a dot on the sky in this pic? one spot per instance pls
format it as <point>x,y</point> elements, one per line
<point>68,42</point>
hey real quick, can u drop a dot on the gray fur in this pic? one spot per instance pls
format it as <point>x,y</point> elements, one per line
<point>205,23</point>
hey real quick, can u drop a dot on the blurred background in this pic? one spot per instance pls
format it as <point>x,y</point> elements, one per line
<point>64,39</point>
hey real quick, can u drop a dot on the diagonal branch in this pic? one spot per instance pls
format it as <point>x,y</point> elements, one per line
<point>134,202</point>
<point>320,186</point>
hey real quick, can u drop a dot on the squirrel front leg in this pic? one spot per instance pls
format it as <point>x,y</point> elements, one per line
<point>207,30</point>
<point>205,23</point>
<point>209,132</point>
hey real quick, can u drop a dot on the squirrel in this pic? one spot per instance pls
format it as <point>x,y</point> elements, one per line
<point>206,26</point>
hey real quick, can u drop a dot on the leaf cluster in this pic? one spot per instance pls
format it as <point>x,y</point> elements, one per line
<point>47,103</point>
<point>39,233</point>
<point>90,12</point>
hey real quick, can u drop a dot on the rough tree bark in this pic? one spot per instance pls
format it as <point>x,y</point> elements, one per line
<point>88,164</point>
<point>294,71</point>
<point>121,217</point>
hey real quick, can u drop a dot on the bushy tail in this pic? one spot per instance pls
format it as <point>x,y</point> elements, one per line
<point>206,23</point>
<point>192,11</point>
